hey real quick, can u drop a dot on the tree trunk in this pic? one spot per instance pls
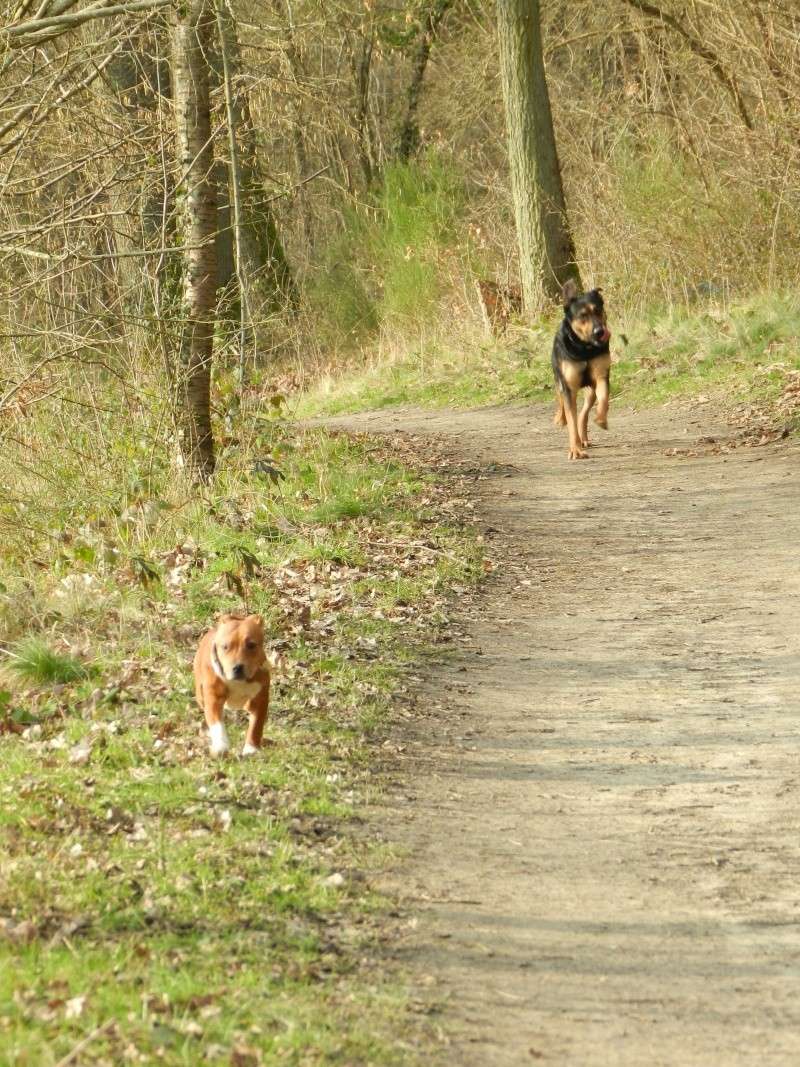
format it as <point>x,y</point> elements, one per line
<point>299,122</point>
<point>408,138</point>
<point>193,35</point>
<point>363,73</point>
<point>546,248</point>
<point>263,269</point>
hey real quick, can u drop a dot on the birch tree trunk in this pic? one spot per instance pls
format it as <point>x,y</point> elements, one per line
<point>193,34</point>
<point>546,248</point>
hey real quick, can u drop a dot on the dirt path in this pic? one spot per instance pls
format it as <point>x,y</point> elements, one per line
<point>601,815</point>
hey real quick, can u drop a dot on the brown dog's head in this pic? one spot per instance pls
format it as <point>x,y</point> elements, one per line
<point>239,646</point>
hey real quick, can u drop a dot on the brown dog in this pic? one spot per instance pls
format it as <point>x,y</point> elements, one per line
<point>230,671</point>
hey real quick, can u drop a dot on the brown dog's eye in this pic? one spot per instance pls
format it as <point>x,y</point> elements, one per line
<point>225,648</point>
<point>250,645</point>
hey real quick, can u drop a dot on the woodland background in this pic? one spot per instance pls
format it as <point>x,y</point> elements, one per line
<point>342,167</point>
<point>370,160</point>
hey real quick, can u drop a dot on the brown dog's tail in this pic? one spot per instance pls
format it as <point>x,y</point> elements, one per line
<point>560,417</point>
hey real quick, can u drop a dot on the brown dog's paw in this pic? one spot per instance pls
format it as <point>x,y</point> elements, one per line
<point>577,453</point>
<point>218,738</point>
<point>602,421</point>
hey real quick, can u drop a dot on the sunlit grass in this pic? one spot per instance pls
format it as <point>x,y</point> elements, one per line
<point>181,908</point>
<point>33,661</point>
<point>744,349</point>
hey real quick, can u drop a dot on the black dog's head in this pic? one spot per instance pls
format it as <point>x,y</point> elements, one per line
<point>585,313</point>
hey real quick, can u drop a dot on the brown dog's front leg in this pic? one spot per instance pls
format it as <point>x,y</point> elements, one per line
<point>257,710</point>
<point>213,707</point>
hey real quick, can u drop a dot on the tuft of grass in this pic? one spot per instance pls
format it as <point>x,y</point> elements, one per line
<point>33,660</point>
<point>743,350</point>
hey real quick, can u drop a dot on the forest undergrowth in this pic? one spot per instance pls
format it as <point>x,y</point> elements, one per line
<point>745,355</point>
<point>159,905</point>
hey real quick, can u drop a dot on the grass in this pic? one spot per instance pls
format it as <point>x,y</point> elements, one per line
<point>744,350</point>
<point>383,268</point>
<point>33,661</point>
<point>158,904</point>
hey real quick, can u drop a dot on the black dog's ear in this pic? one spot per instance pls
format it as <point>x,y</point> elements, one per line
<point>597,296</point>
<point>569,291</point>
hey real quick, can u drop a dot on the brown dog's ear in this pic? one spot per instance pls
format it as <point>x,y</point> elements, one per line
<point>569,291</point>
<point>257,620</point>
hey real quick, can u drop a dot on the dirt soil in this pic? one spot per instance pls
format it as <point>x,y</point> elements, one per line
<point>599,808</point>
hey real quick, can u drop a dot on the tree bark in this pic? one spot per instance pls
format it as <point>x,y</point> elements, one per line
<point>362,72</point>
<point>262,265</point>
<point>546,248</point>
<point>193,35</point>
<point>408,139</point>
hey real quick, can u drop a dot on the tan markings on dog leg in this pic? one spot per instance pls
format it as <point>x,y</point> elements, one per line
<point>572,373</point>
<point>575,451</point>
<point>601,418</point>
<point>559,419</point>
<point>583,418</point>
<point>599,368</point>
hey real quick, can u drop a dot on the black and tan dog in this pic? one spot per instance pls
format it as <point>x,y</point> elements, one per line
<point>581,360</point>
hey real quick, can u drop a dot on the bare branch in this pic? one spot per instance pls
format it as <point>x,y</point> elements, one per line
<point>702,51</point>
<point>18,33</point>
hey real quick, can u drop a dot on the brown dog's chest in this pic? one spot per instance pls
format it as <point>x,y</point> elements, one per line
<point>239,692</point>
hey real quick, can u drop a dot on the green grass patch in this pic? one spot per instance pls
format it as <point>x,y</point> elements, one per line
<point>156,903</point>
<point>745,350</point>
<point>436,375</point>
<point>383,268</point>
<point>32,660</point>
